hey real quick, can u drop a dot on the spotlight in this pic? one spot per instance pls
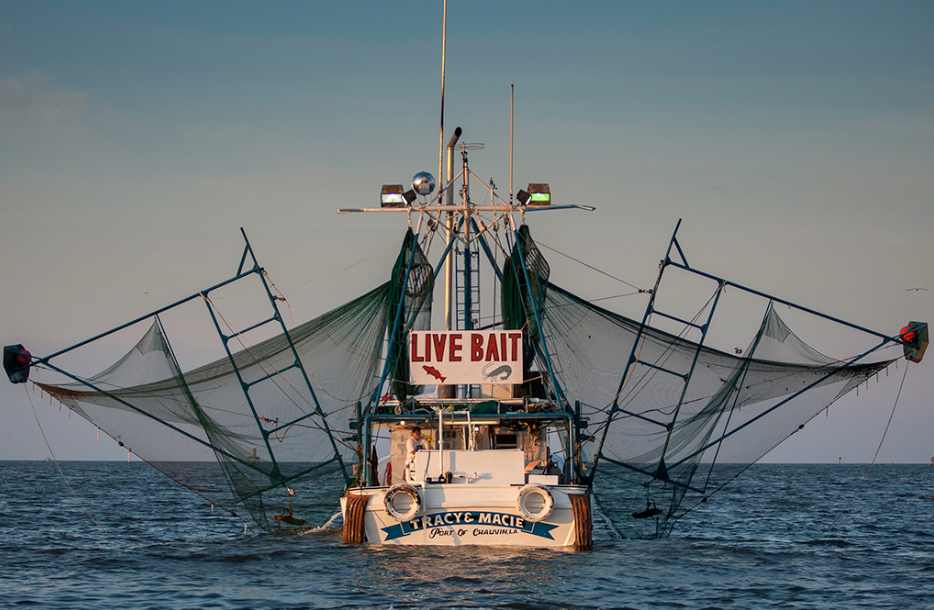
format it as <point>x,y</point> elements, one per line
<point>392,196</point>
<point>540,194</point>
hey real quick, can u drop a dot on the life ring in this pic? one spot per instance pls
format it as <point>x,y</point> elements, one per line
<point>534,502</point>
<point>402,502</point>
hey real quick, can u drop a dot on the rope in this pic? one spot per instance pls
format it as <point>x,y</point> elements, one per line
<point>345,269</point>
<point>354,515</point>
<point>872,463</point>
<point>56,462</point>
<point>615,296</point>
<point>583,521</point>
<point>641,290</point>
<point>675,519</point>
<point>300,349</point>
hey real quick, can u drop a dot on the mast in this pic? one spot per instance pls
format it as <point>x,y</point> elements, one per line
<point>466,305</point>
<point>443,390</point>
<point>446,391</point>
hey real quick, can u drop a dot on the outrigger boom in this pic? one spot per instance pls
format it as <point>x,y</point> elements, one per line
<point>517,437</point>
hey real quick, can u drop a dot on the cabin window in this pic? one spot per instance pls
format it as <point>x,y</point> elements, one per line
<point>506,440</point>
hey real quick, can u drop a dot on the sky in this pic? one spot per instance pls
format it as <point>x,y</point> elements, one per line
<point>794,140</point>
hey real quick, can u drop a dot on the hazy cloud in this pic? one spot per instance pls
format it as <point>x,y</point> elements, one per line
<point>34,97</point>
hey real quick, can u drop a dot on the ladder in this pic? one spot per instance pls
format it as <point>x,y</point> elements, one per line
<point>467,295</point>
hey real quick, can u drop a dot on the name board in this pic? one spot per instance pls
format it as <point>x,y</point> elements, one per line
<point>469,524</point>
<point>465,357</point>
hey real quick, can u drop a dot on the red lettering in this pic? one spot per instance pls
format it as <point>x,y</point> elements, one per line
<point>492,351</point>
<point>476,348</point>
<point>515,337</point>
<point>502,345</point>
<point>439,346</point>
<point>455,346</point>
<point>415,356</point>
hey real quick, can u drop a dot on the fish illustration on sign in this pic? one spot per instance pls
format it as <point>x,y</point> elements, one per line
<point>434,373</point>
<point>503,372</point>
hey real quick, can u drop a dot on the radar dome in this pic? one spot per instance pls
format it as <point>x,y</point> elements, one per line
<point>423,183</point>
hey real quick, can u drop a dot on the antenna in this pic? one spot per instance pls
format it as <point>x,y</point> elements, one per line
<point>444,32</point>
<point>512,104</point>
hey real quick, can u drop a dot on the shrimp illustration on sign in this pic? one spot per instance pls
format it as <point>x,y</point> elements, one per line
<point>434,373</point>
<point>503,371</point>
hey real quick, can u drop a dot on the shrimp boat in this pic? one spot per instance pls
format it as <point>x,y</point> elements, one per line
<point>493,420</point>
<point>526,406</point>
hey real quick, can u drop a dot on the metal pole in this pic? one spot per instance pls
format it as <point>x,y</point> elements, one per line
<point>443,390</point>
<point>441,443</point>
<point>512,103</point>
<point>449,257</point>
<point>444,32</point>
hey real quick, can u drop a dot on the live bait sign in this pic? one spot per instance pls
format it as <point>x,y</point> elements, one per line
<point>465,357</point>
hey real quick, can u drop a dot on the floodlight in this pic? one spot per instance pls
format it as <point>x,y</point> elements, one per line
<point>391,196</point>
<point>540,194</point>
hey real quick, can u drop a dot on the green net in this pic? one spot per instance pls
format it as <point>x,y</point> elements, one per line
<point>268,429</point>
<point>287,431</point>
<point>410,299</point>
<point>687,418</point>
<point>734,409</point>
<point>524,288</point>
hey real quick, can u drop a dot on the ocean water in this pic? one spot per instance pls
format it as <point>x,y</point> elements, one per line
<point>784,536</point>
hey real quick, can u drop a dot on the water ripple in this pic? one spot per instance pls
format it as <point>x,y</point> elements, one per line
<point>768,542</point>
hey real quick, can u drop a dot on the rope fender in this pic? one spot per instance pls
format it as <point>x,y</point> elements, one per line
<point>354,530</point>
<point>583,521</point>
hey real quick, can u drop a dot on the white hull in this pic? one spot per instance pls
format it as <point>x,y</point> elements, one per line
<point>456,514</point>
